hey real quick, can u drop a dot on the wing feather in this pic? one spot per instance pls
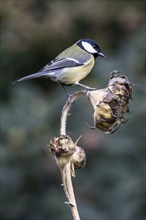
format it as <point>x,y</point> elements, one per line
<point>61,63</point>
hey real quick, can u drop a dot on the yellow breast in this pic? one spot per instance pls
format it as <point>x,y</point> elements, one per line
<point>75,74</point>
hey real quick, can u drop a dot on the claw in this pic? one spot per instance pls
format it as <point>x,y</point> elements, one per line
<point>68,97</point>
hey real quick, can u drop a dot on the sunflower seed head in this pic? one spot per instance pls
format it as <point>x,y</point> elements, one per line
<point>111,104</point>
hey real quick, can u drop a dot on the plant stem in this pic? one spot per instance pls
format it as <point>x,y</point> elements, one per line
<point>67,107</point>
<point>66,171</point>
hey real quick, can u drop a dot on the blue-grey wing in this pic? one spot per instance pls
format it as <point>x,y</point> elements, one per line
<point>61,63</point>
<point>55,64</point>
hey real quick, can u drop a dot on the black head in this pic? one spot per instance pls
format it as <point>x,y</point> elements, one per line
<point>90,46</point>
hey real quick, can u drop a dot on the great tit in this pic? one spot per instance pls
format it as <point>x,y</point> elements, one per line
<point>72,65</point>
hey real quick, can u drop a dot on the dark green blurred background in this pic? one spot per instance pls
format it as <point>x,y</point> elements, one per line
<point>112,185</point>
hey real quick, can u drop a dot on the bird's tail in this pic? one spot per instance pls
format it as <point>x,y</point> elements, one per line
<point>32,76</point>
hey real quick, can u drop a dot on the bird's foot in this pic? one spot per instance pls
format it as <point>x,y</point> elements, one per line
<point>69,97</point>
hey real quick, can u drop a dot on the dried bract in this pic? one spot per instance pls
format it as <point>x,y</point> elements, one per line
<point>79,158</point>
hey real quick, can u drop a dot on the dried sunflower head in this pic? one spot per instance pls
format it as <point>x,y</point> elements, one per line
<point>63,148</point>
<point>110,104</point>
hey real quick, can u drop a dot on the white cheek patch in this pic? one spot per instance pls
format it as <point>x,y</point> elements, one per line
<point>88,47</point>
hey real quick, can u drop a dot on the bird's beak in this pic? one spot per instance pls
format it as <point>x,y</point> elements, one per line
<point>101,54</point>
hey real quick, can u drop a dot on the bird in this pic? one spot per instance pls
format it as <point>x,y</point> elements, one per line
<point>70,66</point>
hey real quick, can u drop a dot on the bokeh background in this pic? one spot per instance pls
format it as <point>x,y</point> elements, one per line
<point>112,185</point>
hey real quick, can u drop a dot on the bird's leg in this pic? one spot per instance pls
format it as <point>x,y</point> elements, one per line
<point>84,86</point>
<point>68,95</point>
<point>64,88</point>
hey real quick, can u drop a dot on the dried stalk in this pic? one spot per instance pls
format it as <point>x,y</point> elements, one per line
<point>66,109</point>
<point>66,172</point>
